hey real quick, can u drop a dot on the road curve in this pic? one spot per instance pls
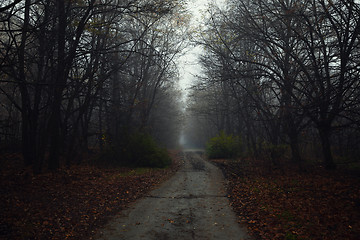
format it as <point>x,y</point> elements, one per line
<point>191,205</point>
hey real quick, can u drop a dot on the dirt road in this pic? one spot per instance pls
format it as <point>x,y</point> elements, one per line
<point>191,205</point>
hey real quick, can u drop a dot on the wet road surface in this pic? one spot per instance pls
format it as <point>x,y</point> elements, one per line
<point>191,205</point>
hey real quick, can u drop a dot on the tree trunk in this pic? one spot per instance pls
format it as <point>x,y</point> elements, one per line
<point>29,120</point>
<point>295,152</point>
<point>325,133</point>
<point>60,80</point>
<point>292,133</point>
<point>26,141</point>
<point>54,129</point>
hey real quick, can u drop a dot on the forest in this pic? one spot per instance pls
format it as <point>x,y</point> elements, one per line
<point>280,93</point>
<point>88,75</point>
<point>92,116</point>
<point>284,76</point>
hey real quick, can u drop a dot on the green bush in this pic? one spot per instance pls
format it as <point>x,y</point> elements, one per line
<point>142,151</point>
<point>224,146</point>
<point>136,150</point>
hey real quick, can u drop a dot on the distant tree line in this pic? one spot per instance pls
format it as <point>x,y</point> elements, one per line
<point>283,72</point>
<point>81,73</point>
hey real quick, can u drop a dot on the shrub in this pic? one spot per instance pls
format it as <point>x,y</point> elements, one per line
<point>142,151</point>
<point>136,150</point>
<point>224,146</point>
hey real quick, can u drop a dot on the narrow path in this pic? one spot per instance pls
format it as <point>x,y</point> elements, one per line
<point>191,205</point>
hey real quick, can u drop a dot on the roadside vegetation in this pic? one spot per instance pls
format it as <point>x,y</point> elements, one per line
<point>89,92</point>
<point>279,200</point>
<point>284,76</point>
<point>136,150</point>
<point>224,146</point>
<point>285,82</point>
<point>82,75</point>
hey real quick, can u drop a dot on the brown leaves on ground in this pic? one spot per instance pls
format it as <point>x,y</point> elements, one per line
<point>290,205</point>
<point>69,204</point>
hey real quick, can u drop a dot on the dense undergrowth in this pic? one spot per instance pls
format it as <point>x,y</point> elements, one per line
<point>135,150</point>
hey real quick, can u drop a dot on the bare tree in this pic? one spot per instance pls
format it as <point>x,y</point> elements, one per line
<point>63,61</point>
<point>296,61</point>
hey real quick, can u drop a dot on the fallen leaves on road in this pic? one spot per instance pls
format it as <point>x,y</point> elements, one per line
<point>291,205</point>
<point>69,204</point>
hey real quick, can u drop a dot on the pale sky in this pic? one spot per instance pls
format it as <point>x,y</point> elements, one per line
<point>188,64</point>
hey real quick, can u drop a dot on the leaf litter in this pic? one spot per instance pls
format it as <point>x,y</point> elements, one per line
<point>71,203</point>
<point>288,204</point>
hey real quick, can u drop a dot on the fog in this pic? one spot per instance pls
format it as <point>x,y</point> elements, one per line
<point>190,68</point>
